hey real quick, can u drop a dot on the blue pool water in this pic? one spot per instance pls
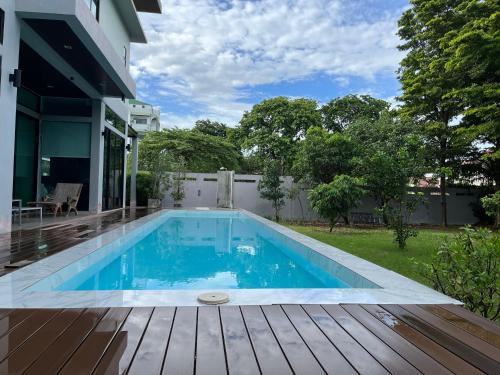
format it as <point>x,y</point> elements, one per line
<point>207,250</point>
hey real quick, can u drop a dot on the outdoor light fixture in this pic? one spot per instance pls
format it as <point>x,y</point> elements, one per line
<point>128,147</point>
<point>15,78</point>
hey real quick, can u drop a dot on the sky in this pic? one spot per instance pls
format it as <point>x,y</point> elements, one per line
<point>217,58</point>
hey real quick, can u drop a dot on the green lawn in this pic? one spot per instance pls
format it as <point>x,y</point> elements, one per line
<point>377,246</point>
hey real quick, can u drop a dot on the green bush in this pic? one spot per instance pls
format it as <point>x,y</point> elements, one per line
<point>491,204</point>
<point>467,268</point>
<point>145,187</point>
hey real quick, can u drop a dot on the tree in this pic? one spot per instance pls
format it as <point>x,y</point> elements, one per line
<point>339,113</point>
<point>427,84</point>
<point>214,128</point>
<point>270,186</point>
<point>178,178</point>
<point>201,152</point>
<point>272,129</point>
<point>334,200</point>
<point>473,52</point>
<point>391,154</point>
<point>321,156</point>
<point>398,217</point>
<point>491,204</point>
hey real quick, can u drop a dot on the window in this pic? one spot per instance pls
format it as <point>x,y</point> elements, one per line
<point>94,7</point>
<point>142,121</point>
<point>2,21</point>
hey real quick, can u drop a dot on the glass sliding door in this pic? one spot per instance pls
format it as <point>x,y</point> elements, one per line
<point>26,158</point>
<point>114,165</point>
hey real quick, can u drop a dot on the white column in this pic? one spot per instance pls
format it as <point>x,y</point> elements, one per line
<point>133,173</point>
<point>8,99</point>
<point>96,157</point>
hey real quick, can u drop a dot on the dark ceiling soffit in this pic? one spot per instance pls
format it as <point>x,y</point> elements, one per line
<point>149,6</point>
<point>132,133</point>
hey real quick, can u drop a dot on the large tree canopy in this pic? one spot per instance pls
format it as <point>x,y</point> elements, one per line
<point>201,152</point>
<point>339,113</point>
<point>428,86</point>
<point>271,130</point>
<point>217,129</point>
<point>323,155</point>
<point>473,52</point>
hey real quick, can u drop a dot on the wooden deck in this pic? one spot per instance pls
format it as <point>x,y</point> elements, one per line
<point>38,243</point>
<point>310,339</point>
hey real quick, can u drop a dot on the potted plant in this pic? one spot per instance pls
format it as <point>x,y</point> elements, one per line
<point>161,180</point>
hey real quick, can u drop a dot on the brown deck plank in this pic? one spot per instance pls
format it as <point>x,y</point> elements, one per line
<point>88,355</point>
<point>473,318</point>
<point>239,351</point>
<point>133,328</point>
<point>463,336</point>
<point>151,352</point>
<point>210,355</point>
<point>55,355</point>
<point>359,358</point>
<point>10,321</point>
<point>21,358</point>
<point>412,354</point>
<point>391,360</point>
<point>180,357</point>
<point>296,351</point>
<point>464,324</point>
<point>439,353</point>
<point>325,352</point>
<point>23,331</point>
<point>454,345</point>
<point>267,350</point>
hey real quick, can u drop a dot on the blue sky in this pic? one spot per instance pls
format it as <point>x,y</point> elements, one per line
<point>216,58</point>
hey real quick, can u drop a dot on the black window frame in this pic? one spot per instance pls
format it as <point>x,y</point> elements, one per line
<point>2,24</point>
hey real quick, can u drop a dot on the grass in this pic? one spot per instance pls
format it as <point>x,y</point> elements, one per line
<point>377,246</point>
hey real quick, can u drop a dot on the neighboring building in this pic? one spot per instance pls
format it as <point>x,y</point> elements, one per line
<point>64,84</point>
<point>144,117</point>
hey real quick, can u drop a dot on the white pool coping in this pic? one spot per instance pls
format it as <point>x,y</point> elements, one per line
<point>395,288</point>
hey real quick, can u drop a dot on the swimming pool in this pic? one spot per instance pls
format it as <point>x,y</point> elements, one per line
<point>171,257</point>
<point>204,250</point>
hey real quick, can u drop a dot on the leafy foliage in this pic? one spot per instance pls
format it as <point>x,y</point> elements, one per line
<point>473,51</point>
<point>334,200</point>
<point>339,113</point>
<point>427,84</point>
<point>272,129</point>
<point>468,268</point>
<point>390,155</point>
<point>213,128</point>
<point>398,218</point>
<point>201,152</point>
<point>491,204</point>
<point>178,178</point>
<point>322,156</point>
<point>270,186</point>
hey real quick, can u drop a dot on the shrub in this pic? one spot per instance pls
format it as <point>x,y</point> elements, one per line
<point>334,200</point>
<point>271,187</point>
<point>491,204</point>
<point>467,268</point>
<point>398,218</point>
<point>144,186</point>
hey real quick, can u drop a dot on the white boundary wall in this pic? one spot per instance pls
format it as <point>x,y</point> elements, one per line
<point>201,191</point>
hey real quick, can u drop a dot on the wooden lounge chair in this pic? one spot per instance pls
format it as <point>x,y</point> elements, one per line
<point>64,194</point>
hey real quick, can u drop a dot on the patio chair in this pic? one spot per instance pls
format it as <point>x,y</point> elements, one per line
<point>68,194</point>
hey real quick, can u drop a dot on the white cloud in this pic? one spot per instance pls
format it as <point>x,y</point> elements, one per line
<point>207,51</point>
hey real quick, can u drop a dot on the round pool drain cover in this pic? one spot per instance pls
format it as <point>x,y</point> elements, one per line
<point>213,298</point>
